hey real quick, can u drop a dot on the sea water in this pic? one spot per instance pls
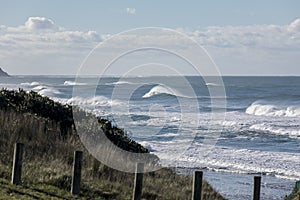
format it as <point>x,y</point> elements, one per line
<point>172,117</point>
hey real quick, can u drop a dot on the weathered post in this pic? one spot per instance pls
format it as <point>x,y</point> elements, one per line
<point>17,164</point>
<point>138,181</point>
<point>197,185</point>
<point>76,178</point>
<point>256,189</point>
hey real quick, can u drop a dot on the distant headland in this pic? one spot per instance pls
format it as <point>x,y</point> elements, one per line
<point>3,73</point>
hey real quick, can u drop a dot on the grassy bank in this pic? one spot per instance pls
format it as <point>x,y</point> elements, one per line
<point>50,137</point>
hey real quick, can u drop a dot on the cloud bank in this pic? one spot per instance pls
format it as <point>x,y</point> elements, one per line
<point>40,46</point>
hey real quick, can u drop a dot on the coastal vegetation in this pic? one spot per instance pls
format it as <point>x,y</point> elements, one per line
<point>50,136</point>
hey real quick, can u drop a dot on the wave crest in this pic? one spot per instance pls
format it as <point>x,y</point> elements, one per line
<point>31,84</point>
<point>213,84</point>
<point>156,90</point>
<point>92,101</point>
<point>72,83</point>
<point>273,110</point>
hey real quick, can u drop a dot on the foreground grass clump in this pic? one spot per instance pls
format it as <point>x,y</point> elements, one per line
<point>48,156</point>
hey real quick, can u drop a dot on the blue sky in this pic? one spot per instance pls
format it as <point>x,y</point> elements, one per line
<point>217,25</point>
<point>111,16</point>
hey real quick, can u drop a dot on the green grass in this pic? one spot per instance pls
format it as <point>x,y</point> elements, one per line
<point>52,183</point>
<point>163,184</point>
<point>40,190</point>
<point>48,158</point>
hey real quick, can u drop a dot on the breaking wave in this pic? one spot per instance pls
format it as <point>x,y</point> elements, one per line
<point>212,84</point>
<point>71,83</point>
<point>260,109</point>
<point>161,90</point>
<point>46,91</point>
<point>97,101</point>
<point>120,83</point>
<point>31,84</point>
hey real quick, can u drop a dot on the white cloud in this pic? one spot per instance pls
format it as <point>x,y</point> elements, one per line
<point>30,35</point>
<point>294,26</point>
<point>40,23</point>
<point>40,46</point>
<point>40,42</point>
<point>131,10</point>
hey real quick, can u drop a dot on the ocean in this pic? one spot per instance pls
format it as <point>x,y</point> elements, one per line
<point>256,131</point>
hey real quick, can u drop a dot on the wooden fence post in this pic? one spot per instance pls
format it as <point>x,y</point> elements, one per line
<point>256,189</point>
<point>138,181</point>
<point>17,164</point>
<point>76,178</point>
<point>197,185</point>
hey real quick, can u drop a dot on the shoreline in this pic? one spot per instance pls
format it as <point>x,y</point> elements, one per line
<point>236,186</point>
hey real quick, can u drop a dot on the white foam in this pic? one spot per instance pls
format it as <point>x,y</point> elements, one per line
<point>38,88</point>
<point>271,129</point>
<point>31,84</point>
<point>273,110</point>
<point>230,123</point>
<point>120,83</point>
<point>212,84</point>
<point>279,125</point>
<point>92,101</point>
<point>147,145</point>
<point>46,91</point>
<point>232,160</point>
<point>71,83</point>
<point>170,134</point>
<point>50,92</point>
<point>160,89</point>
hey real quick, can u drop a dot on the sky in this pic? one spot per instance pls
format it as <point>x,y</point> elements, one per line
<point>43,37</point>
